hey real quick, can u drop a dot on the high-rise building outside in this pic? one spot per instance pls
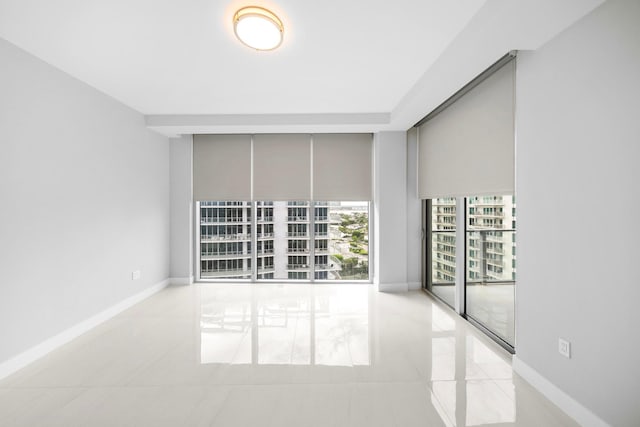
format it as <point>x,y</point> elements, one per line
<point>443,240</point>
<point>491,244</point>
<point>490,234</point>
<point>284,239</point>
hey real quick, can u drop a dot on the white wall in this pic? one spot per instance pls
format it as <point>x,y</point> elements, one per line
<point>84,188</point>
<point>182,243</point>
<point>578,188</point>
<point>390,206</point>
<point>414,214</point>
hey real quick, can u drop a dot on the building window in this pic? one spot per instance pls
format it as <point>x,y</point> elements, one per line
<point>225,240</point>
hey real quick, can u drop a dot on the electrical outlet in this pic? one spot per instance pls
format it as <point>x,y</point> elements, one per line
<point>564,348</point>
<point>135,275</point>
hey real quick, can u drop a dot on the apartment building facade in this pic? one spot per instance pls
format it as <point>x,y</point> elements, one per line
<point>290,243</point>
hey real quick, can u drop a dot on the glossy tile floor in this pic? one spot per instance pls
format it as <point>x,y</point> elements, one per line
<point>277,355</point>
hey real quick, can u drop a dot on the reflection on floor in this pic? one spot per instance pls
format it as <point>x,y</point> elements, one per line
<point>277,355</point>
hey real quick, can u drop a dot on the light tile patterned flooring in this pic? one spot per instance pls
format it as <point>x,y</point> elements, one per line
<point>277,355</point>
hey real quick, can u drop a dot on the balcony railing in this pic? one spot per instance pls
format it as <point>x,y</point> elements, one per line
<point>265,235</point>
<point>223,255</point>
<point>297,218</point>
<point>225,237</point>
<point>297,266</point>
<point>231,272</point>
<point>214,220</point>
<point>298,250</point>
<point>297,234</point>
<point>225,204</point>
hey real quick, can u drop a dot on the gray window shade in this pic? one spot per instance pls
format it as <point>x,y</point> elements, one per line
<point>468,148</point>
<point>342,167</point>
<point>221,167</point>
<point>281,167</point>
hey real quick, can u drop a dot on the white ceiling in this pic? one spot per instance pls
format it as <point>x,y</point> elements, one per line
<point>344,64</point>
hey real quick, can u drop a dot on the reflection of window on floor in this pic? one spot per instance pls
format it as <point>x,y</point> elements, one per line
<point>305,330</point>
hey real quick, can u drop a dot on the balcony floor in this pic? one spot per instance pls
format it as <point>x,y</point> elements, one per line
<point>492,305</point>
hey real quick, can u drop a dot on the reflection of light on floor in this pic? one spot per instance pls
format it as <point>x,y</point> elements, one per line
<point>445,393</point>
<point>443,365</point>
<point>441,321</point>
<point>474,402</point>
<point>224,333</point>
<point>442,412</point>
<point>488,404</point>
<point>294,326</point>
<point>464,371</point>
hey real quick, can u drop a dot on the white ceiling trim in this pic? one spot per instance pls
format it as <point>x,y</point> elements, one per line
<point>174,125</point>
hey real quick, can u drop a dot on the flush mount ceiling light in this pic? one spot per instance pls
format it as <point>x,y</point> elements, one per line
<point>258,28</point>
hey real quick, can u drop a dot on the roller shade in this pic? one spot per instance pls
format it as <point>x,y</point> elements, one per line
<point>282,167</point>
<point>342,167</point>
<point>468,148</point>
<point>221,167</point>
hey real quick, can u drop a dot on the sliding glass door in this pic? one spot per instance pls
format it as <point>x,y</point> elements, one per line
<point>485,293</point>
<point>491,264</point>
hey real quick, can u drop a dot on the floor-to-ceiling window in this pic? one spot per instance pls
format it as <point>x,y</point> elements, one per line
<point>308,214</point>
<point>466,175</point>
<point>486,294</point>
<point>342,241</point>
<point>491,263</point>
<point>290,243</point>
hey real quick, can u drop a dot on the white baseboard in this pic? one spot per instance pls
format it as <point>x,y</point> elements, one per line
<point>568,404</point>
<point>34,353</point>
<point>414,286</point>
<point>181,280</point>
<point>393,287</point>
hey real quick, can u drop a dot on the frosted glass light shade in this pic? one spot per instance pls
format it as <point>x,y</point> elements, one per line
<point>258,28</point>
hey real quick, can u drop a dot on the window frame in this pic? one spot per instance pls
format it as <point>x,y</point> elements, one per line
<point>258,221</point>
